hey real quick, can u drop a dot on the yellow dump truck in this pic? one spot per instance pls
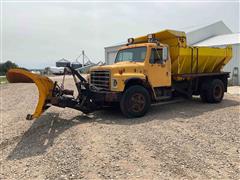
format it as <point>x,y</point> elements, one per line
<point>148,70</point>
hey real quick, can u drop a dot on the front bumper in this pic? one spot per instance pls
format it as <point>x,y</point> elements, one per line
<point>102,97</point>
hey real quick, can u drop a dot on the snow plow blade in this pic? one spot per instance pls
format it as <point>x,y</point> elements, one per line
<point>44,84</point>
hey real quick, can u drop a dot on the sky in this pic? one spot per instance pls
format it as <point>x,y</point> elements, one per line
<point>37,34</point>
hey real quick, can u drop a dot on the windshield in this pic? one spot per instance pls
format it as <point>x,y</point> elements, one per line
<point>132,54</point>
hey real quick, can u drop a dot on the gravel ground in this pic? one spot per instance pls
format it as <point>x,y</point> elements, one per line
<point>186,140</point>
<point>234,90</point>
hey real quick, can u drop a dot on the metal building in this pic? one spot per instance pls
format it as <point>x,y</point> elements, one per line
<point>63,63</point>
<point>214,34</point>
<point>111,52</point>
<point>76,65</point>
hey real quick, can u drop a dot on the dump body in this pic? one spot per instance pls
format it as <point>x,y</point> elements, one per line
<point>188,59</point>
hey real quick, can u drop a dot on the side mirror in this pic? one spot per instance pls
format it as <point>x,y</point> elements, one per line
<point>165,54</point>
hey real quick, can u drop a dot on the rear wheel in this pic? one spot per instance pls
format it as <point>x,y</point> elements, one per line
<point>213,91</point>
<point>135,101</point>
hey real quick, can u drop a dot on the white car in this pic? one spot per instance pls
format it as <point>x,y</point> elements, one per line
<point>57,70</point>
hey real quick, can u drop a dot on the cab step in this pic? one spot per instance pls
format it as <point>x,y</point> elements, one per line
<point>176,100</point>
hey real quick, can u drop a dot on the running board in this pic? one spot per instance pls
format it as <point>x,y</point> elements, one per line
<point>168,102</point>
<point>163,98</point>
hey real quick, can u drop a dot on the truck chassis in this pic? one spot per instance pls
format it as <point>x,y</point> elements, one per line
<point>210,87</point>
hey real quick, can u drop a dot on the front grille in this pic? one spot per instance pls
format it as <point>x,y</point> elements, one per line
<point>101,79</point>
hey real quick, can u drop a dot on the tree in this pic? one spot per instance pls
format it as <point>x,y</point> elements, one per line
<point>4,67</point>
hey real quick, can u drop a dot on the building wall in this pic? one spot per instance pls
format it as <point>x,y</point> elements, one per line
<point>110,53</point>
<point>233,66</point>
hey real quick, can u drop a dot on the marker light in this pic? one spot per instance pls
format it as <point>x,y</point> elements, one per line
<point>151,37</point>
<point>130,40</point>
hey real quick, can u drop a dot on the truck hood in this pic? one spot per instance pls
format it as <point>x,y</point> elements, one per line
<point>120,65</point>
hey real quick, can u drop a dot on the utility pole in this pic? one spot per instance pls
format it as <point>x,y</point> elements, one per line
<point>83,58</point>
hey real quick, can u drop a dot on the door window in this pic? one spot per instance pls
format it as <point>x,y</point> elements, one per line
<point>156,56</point>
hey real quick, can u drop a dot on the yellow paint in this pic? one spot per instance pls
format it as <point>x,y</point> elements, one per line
<point>209,59</point>
<point>170,37</point>
<point>130,70</point>
<point>44,85</point>
<point>157,74</point>
<point>182,60</point>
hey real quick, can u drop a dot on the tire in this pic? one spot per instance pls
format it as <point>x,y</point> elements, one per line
<point>214,91</point>
<point>135,101</point>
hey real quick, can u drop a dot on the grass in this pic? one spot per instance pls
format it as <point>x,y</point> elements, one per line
<point>3,80</point>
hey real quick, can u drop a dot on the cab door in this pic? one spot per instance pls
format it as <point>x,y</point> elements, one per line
<point>159,67</point>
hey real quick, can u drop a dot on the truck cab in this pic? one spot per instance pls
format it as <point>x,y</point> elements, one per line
<point>144,67</point>
<point>144,63</point>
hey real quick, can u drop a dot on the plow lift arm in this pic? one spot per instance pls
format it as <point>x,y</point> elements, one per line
<point>83,102</point>
<point>50,93</point>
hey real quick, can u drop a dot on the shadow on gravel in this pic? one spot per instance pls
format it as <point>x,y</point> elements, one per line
<point>185,109</point>
<point>45,129</point>
<point>41,135</point>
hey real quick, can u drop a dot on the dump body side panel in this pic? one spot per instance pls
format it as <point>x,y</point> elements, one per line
<point>199,59</point>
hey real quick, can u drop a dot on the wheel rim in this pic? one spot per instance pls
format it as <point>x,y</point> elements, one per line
<point>137,102</point>
<point>218,92</point>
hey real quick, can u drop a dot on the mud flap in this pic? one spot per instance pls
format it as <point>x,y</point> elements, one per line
<point>44,84</point>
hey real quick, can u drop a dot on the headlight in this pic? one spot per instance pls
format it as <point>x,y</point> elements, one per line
<point>114,83</point>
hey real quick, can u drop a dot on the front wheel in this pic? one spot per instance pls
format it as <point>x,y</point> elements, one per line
<point>135,102</point>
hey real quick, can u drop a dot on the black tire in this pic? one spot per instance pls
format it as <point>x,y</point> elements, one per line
<point>214,91</point>
<point>135,101</point>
